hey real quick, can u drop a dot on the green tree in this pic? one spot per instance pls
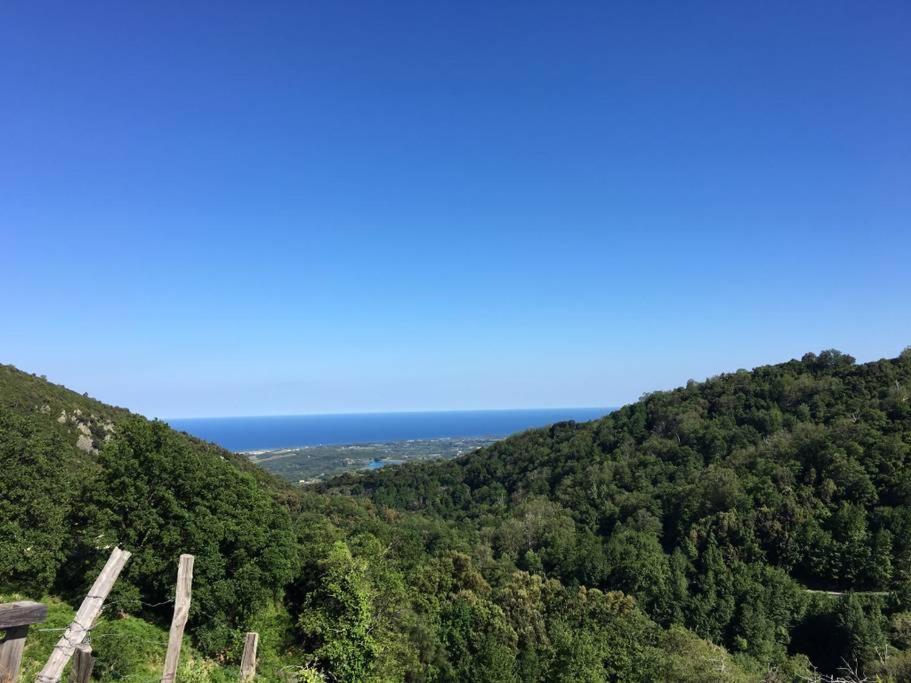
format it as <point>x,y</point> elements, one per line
<point>337,617</point>
<point>638,566</point>
<point>157,496</point>
<point>860,630</point>
<point>36,490</point>
<point>480,643</point>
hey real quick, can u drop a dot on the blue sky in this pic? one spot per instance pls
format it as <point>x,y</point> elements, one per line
<point>273,208</point>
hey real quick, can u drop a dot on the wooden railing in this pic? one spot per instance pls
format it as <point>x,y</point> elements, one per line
<point>16,617</point>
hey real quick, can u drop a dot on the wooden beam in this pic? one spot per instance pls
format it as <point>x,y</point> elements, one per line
<point>83,662</point>
<point>21,613</point>
<point>179,620</point>
<point>248,662</point>
<point>15,618</point>
<point>84,619</point>
<point>11,653</point>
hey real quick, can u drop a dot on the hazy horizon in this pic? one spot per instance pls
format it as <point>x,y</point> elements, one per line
<point>405,411</point>
<point>188,418</point>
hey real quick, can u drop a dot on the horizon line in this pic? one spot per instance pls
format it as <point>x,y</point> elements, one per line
<point>385,412</point>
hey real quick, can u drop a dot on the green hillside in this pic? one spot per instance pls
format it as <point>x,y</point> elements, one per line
<point>61,412</point>
<point>675,539</point>
<point>716,505</point>
<point>83,424</point>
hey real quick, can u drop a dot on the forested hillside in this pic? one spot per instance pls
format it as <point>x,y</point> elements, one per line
<point>717,505</point>
<point>679,539</point>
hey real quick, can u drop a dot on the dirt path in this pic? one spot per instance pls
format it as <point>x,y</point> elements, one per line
<point>838,593</point>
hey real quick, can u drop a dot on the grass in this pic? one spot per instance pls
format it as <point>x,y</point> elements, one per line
<point>124,647</point>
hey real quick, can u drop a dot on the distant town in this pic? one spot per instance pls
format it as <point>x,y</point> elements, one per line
<point>312,464</point>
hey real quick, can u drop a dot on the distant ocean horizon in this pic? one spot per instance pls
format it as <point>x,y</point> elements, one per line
<point>288,431</point>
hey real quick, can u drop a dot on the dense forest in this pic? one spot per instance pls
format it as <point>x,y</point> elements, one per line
<point>752,527</point>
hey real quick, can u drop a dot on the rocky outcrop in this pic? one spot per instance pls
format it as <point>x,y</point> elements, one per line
<point>89,428</point>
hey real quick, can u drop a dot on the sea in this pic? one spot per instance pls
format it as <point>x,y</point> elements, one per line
<point>289,431</point>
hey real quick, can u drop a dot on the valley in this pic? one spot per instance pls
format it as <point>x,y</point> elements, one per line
<point>313,464</point>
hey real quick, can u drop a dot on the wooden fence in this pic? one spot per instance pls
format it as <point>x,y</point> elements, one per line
<point>16,617</point>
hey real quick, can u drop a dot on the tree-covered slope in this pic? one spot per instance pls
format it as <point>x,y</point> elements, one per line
<point>59,411</point>
<point>716,504</point>
<point>673,540</point>
<point>339,589</point>
<point>78,476</point>
<point>81,425</point>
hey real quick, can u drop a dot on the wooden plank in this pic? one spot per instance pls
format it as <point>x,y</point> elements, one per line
<point>179,620</point>
<point>11,653</point>
<point>84,619</point>
<point>248,661</point>
<point>83,662</point>
<point>15,618</point>
<point>21,613</point>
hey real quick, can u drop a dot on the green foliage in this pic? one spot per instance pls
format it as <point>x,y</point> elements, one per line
<point>125,648</point>
<point>154,491</point>
<point>860,629</point>
<point>128,646</point>
<point>481,645</point>
<point>34,506</point>
<point>715,504</point>
<point>337,616</point>
<point>692,660</point>
<point>900,629</point>
<point>639,566</point>
<point>675,539</point>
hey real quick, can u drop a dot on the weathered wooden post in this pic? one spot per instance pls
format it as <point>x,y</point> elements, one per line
<point>84,619</point>
<point>83,662</point>
<point>15,618</point>
<point>179,620</point>
<point>248,661</point>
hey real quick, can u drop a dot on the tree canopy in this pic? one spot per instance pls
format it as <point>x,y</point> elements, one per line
<point>736,529</point>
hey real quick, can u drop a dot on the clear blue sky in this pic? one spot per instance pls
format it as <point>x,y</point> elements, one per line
<point>263,207</point>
